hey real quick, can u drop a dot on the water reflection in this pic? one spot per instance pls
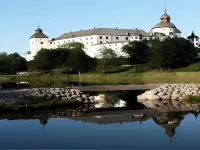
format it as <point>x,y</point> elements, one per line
<point>120,125</point>
<point>169,121</point>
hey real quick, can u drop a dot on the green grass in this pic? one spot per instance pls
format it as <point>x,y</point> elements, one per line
<point>193,67</point>
<point>128,77</point>
<point>192,99</point>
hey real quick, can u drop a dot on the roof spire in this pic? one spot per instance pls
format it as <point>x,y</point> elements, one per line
<point>38,25</point>
<point>165,9</point>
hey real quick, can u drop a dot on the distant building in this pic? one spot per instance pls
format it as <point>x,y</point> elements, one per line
<point>194,39</point>
<point>95,38</point>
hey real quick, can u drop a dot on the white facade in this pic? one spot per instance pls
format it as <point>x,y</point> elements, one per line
<point>96,38</point>
<point>194,39</point>
<point>37,44</point>
<point>165,28</point>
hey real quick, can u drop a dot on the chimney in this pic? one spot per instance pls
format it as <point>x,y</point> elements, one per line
<point>94,28</point>
<point>116,28</point>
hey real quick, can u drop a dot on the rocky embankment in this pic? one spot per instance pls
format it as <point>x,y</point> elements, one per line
<point>48,94</point>
<point>170,97</point>
<point>56,94</point>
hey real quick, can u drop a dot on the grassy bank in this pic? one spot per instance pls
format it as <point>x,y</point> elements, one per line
<point>33,106</point>
<point>192,99</point>
<point>114,78</point>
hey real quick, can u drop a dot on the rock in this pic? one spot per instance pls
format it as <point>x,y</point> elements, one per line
<point>67,94</point>
<point>181,98</point>
<point>79,99</point>
<point>64,98</point>
<point>166,97</point>
<point>152,102</point>
<point>175,103</point>
<point>166,101</point>
<point>86,101</point>
<point>174,98</point>
<point>187,105</point>
<point>84,96</point>
<point>188,93</point>
<point>152,97</point>
<point>161,94</point>
<point>91,98</point>
<point>196,94</point>
<point>141,98</point>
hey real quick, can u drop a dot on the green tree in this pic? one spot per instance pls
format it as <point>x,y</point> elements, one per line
<point>17,63</point>
<point>42,60</point>
<point>173,53</point>
<point>4,59</point>
<point>136,51</point>
<point>79,61</point>
<point>50,59</point>
<point>107,57</point>
<point>72,45</point>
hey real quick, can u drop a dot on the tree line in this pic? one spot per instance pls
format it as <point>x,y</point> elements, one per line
<point>71,58</point>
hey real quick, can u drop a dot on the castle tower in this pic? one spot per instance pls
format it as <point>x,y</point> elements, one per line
<point>38,41</point>
<point>165,28</point>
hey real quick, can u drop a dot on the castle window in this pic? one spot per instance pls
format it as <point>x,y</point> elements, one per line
<point>140,38</point>
<point>116,44</point>
<point>91,43</point>
<point>41,42</point>
<point>80,39</point>
<point>126,38</point>
<point>100,42</point>
<point>86,43</point>
<point>136,37</point>
<point>170,33</point>
<point>100,37</point>
<point>91,37</point>
<point>50,42</point>
<point>107,37</point>
<point>86,38</point>
<point>64,41</point>
<point>117,38</point>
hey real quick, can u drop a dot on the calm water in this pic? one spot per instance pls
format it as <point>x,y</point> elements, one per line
<point>102,127</point>
<point>68,133</point>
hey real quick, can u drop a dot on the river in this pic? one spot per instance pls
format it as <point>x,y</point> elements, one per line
<point>107,126</point>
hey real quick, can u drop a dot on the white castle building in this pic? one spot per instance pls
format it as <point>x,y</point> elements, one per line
<point>194,39</point>
<point>95,38</point>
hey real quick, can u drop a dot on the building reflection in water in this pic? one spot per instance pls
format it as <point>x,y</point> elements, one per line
<point>169,121</point>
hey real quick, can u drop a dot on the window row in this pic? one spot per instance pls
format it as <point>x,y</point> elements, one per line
<point>117,38</point>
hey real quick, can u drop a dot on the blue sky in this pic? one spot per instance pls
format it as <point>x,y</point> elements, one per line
<point>19,18</point>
